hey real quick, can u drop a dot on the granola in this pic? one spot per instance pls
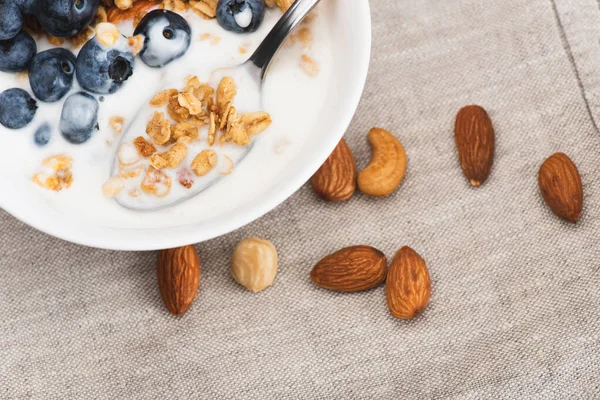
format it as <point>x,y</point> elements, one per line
<point>189,109</point>
<point>162,98</point>
<point>113,186</point>
<point>229,169</point>
<point>116,123</point>
<point>159,128</point>
<point>128,154</point>
<point>186,129</point>
<point>172,158</point>
<point>204,162</point>
<point>144,148</point>
<point>309,66</point>
<point>156,183</point>
<point>55,173</point>
<point>207,9</point>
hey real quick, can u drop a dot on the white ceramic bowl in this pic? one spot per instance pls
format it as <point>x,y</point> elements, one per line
<point>351,31</point>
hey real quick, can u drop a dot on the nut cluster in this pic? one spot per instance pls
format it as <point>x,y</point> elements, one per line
<point>358,268</point>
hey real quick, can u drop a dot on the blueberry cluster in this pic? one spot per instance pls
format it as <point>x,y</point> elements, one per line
<point>100,68</point>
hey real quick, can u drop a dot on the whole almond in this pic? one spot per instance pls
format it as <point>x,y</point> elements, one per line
<point>351,269</point>
<point>178,272</point>
<point>560,185</point>
<point>336,179</point>
<point>474,137</point>
<point>408,287</point>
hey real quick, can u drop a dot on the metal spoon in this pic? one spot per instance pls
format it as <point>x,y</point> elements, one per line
<point>256,69</point>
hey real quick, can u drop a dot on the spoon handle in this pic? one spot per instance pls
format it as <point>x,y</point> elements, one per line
<point>270,45</point>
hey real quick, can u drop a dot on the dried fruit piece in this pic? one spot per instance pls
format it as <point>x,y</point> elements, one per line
<point>408,286</point>
<point>336,179</point>
<point>351,269</point>
<point>254,264</point>
<point>184,176</point>
<point>561,188</point>
<point>474,137</point>
<point>204,162</point>
<point>178,273</point>
<point>387,167</point>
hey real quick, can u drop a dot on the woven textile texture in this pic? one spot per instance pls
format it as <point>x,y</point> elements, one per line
<point>515,308</point>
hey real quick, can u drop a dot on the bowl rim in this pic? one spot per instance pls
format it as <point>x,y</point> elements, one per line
<point>155,238</point>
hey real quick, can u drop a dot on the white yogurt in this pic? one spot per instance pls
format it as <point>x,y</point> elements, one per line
<point>293,98</point>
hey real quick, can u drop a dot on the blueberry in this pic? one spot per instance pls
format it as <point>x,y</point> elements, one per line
<point>240,16</point>
<point>102,69</point>
<point>27,6</point>
<point>16,54</point>
<point>65,18</point>
<point>17,108</point>
<point>11,20</point>
<point>42,135</point>
<point>51,74</point>
<point>79,117</point>
<point>166,37</point>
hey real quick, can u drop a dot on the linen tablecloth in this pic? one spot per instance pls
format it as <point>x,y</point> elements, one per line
<point>515,308</point>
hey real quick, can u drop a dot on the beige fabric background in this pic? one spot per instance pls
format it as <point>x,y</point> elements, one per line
<point>515,310</point>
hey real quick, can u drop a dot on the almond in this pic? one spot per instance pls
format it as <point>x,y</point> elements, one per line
<point>351,269</point>
<point>474,136</point>
<point>560,185</point>
<point>178,272</point>
<point>116,15</point>
<point>408,287</point>
<point>336,179</point>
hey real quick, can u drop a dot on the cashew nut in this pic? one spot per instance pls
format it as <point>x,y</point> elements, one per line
<point>387,167</point>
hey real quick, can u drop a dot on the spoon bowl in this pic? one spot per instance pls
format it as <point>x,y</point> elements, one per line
<point>249,77</point>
